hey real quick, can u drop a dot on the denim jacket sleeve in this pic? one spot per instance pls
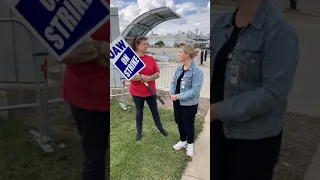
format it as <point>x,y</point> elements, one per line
<point>281,56</point>
<point>172,88</point>
<point>197,81</point>
<point>173,84</point>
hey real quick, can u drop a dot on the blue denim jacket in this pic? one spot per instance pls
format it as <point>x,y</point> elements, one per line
<point>266,55</point>
<point>193,78</point>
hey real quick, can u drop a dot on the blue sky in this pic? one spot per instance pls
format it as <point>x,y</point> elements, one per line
<point>194,14</point>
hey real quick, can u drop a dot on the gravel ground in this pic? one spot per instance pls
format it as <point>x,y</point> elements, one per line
<point>301,138</point>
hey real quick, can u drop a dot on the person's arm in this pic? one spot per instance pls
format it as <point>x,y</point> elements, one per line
<point>156,69</point>
<point>197,81</point>
<point>173,85</point>
<point>155,76</point>
<point>137,77</point>
<point>103,48</point>
<point>85,52</point>
<point>278,72</point>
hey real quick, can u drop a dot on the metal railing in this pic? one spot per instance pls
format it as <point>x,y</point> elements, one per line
<point>119,88</point>
<point>37,92</point>
<point>166,76</point>
<point>47,82</point>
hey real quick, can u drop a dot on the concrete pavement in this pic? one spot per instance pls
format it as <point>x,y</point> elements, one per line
<point>199,167</point>
<point>205,91</point>
<point>313,170</point>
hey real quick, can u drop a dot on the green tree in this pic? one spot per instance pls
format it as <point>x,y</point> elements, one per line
<point>160,43</point>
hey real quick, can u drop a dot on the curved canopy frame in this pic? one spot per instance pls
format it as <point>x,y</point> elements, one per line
<point>143,24</point>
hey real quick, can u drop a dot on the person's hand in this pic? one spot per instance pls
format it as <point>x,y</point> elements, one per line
<point>103,62</point>
<point>145,78</point>
<point>213,112</point>
<point>136,78</point>
<point>89,49</point>
<point>103,48</point>
<point>175,97</point>
<point>84,52</point>
<point>171,97</point>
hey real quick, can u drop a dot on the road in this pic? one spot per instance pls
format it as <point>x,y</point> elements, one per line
<point>305,95</point>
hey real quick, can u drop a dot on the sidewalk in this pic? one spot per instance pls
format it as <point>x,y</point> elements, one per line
<point>199,167</point>
<point>313,172</point>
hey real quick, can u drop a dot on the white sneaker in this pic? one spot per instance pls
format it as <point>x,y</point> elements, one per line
<point>190,150</point>
<point>180,145</point>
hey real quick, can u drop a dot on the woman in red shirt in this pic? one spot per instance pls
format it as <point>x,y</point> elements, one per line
<point>140,93</point>
<point>87,90</point>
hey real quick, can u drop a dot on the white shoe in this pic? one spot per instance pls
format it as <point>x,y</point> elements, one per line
<point>190,150</point>
<point>180,145</point>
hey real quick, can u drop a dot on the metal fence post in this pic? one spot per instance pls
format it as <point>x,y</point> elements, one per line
<point>205,54</point>
<point>41,136</point>
<point>41,95</point>
<point>123,103</point>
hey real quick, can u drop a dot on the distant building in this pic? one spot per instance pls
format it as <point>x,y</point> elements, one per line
<point>176,40</point>
<point>170,40</point>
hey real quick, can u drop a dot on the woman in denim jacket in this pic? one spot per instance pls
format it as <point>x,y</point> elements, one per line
<point>255,53</point>
<point>185,92</point>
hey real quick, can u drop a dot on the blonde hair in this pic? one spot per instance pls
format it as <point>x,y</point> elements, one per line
<point>190,50</point>
<point>198,49</point>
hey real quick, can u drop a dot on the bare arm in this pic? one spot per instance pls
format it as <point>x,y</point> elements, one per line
<point>157,70</point>
<point>103,48</point>
<point>136,78</point>
<point>155,76</point>
<point>85,52</point>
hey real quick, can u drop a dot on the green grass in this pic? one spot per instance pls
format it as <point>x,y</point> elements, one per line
<point>151,159</point>
<point>22,159</point>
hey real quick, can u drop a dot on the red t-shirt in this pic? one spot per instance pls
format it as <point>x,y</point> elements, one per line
<point>87,85</point>
<point>138,88</point>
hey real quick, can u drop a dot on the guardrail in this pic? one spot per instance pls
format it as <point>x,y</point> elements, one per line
<point>119,85</point>
<point>18,94</point>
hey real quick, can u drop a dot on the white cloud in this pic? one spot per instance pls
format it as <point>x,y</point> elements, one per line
<point>192,15</point>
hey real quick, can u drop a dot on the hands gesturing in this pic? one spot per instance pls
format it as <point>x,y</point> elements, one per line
<point>174,97</point>
<point>142,78</point>
<point>103,49</point>
<point>145,78</point>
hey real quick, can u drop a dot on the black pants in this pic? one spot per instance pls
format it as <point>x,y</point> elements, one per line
<point>94,130</point>
<point>184,117</point>
<point>234,159</point>
<point>152,102</point>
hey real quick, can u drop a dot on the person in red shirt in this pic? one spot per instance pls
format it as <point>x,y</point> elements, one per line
<point>139,91</point>
<point>87,90</point>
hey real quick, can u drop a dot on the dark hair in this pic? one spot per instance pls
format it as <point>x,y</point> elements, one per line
<point>136,41</point>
